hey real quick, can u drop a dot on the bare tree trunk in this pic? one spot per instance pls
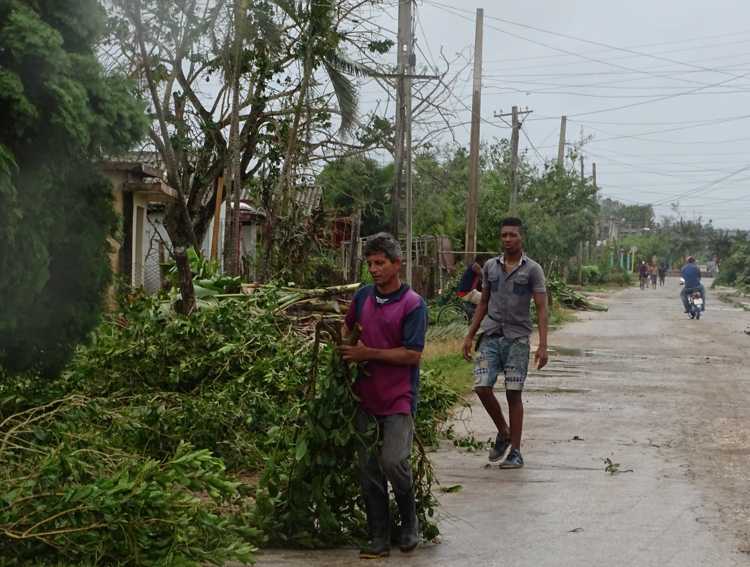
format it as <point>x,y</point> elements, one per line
<point>179,226</point>
<point>232,243</point>
<point>182,240</point>
<point>290,157</point>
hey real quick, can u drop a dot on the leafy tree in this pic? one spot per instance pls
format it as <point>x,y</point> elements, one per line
<point>735,267</point>
<point>59,112</point>
<point>635,216</point>
<point>558,208</point>
<point>358,183</point>
<point>234,90</point>
<point>441,177</point>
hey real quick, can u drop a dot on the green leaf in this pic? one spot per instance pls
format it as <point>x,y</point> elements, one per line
<point>301,450</point>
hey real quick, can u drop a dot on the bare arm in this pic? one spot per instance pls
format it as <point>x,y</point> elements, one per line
<point>541,357</point>
<point>479,315</point>
<point>399,356</point>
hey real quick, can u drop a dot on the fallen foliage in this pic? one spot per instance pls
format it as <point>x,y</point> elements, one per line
<point>175,440</point>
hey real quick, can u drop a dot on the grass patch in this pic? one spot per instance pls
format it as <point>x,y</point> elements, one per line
<point>558,316</point>
<point>734,301</point>
<point>453,366</point>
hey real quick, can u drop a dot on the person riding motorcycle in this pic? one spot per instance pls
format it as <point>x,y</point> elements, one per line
<point>691,273</point>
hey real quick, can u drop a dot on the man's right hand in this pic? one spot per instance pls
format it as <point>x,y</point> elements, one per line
<point>468,347</point>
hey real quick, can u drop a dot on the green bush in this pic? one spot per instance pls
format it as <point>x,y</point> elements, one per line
<point>592,275</point>
<point>69,491</point>
<point>618,276</point>
<point>735,270</point>
<point>244,388</point>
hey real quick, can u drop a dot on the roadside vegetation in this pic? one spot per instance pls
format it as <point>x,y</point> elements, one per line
<point>210,420</point>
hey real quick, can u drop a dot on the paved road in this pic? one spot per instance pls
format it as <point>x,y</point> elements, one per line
<point>643,386</point>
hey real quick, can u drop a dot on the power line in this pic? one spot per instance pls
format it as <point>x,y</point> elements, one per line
<point>705,187</point>
<point>668,130</point>
<point>583,40</point>
<point>500,90</point>
<point>623,107</point>
<point>528,139</point>
<point>658,44</point>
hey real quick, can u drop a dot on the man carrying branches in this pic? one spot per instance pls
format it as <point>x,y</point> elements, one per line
<point>391,320</point>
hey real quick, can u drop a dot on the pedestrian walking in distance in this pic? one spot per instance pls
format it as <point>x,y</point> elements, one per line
<point>509,283</point>
<point>391,320</point>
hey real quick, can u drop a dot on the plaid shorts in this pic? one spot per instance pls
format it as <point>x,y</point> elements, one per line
<point>498,354</point>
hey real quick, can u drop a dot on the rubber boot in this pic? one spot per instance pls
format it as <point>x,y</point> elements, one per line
<point>407,509</point>
<point>379,526</point>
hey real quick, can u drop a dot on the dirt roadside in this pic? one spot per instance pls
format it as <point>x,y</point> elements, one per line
<point>641,385</point>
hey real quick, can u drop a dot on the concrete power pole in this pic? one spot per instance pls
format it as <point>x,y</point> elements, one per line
<point>514,140</point>
<point>593,175</point>
<point>400,194</point>
<point>516,131</point>
<point>472,203</point>
<point>597,228</point>
<point>561,144</point>
<point>583,174</point>
<point>407,161</point>
<point>403,117</point>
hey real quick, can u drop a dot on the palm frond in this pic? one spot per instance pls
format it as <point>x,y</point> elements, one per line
<point>346,96</point>
<point>342,63</point>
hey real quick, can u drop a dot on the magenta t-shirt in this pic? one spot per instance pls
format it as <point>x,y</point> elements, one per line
<point>388,321</point>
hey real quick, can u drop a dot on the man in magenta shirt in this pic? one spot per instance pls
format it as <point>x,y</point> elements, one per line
<point>393,320</point>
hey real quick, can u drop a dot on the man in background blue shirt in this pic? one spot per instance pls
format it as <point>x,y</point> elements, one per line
<point>691,273</point>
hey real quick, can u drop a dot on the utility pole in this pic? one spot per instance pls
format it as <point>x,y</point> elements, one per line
<point>516,127</point>
<point>407,162</point>
<point>403,117</point>
<point>561,144</point>
<point>593,176</point>
<point>514,140</point>
<point>401,192</point>
<point>472,203</point>
<point>597,229</point>
<point>583,175</point>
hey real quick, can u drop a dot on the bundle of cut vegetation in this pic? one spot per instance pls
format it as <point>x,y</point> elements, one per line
<point>175,440</point>
<point>565,295</point>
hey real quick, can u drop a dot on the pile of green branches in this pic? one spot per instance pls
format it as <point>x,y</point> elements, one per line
<point>566,296</point>
<point>68,490</point>
<point>173,440</point>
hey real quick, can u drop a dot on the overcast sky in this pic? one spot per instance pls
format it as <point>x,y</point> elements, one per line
<point>682,68</point>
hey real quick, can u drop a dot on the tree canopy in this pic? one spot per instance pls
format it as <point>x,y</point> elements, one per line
<point>558,208</point>
<point>59,113</point>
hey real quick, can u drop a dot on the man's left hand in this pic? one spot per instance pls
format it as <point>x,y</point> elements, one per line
<point>541,357</point>
<point>355,353</point>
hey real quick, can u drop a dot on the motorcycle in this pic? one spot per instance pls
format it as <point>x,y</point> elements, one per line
<point>695,302</point>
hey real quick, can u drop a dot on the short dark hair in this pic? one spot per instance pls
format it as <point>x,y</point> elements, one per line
<point>512,221</point>
<point>382,243</point>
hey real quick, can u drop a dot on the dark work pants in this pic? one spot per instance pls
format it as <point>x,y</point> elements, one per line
<point>386,458</point>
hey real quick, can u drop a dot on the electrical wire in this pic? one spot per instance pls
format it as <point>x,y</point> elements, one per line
<point>583,40</point>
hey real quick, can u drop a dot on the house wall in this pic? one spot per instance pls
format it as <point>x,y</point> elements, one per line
<point>157,250</point>
<point>138,230</point>
<point>118,202</point>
